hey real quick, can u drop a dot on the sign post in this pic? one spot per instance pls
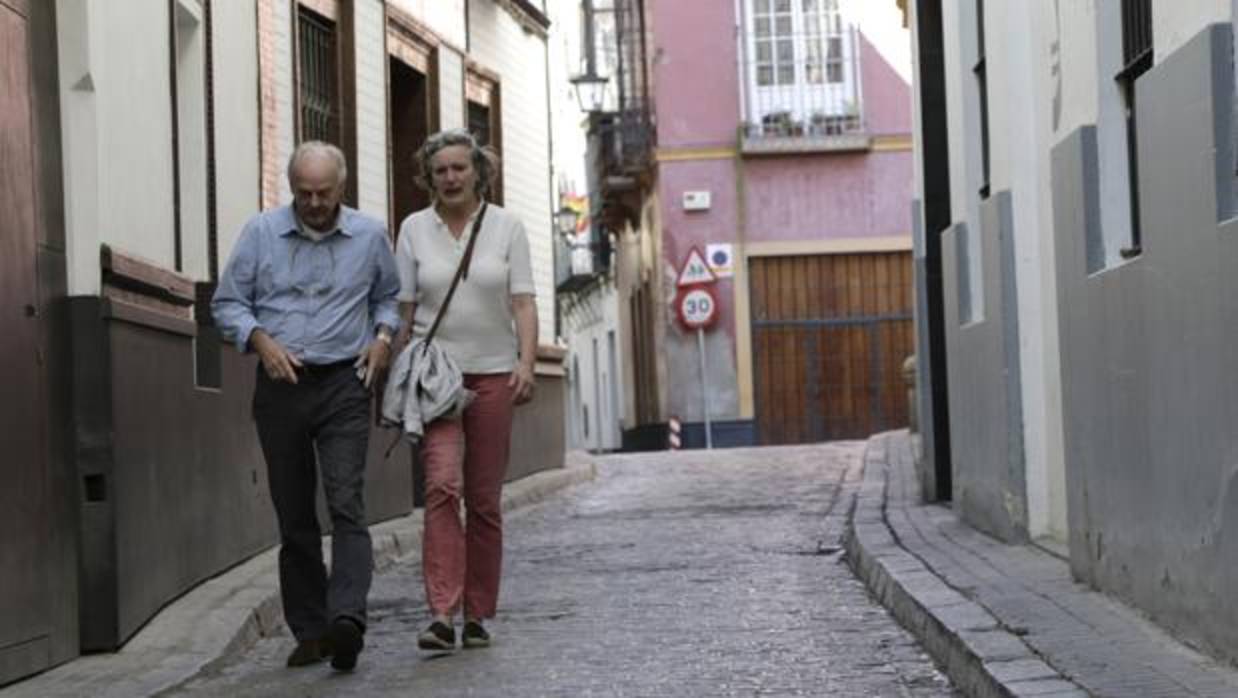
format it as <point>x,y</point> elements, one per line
<point>709,427</point>
<point>698,309</point>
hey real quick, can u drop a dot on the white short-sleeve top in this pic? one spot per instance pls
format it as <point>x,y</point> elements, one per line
<point>478,330</point>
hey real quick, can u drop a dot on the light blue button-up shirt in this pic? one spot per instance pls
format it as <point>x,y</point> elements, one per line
<point>322,301</point>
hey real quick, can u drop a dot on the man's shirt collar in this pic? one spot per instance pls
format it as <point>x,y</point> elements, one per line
<point>289,224</point>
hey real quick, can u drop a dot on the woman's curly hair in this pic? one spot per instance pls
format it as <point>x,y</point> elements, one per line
<point>485,160</point>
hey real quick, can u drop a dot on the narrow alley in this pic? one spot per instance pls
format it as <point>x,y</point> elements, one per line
<point>689,574</point>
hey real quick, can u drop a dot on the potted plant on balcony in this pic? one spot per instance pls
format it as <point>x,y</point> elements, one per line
<point>780,123</point>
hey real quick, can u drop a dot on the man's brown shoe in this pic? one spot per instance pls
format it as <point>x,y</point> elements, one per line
<point>310,652</point>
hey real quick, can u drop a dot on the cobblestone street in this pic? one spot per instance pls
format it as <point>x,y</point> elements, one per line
<point>670,575</point>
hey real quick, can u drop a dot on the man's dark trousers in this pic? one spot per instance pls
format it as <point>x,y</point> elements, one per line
<point>328,411</point>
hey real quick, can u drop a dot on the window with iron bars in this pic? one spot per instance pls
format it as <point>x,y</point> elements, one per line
<point>802,75</point>
<point>317,89</point>
<point>1136,60</point>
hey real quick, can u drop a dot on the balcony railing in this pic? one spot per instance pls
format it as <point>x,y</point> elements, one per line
<point>581,261</point>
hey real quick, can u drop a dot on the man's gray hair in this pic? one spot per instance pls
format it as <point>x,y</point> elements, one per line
<point>319,148</point>
<point>485,159</point>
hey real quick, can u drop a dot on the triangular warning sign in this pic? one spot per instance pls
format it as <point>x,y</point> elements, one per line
<point>695,271</point>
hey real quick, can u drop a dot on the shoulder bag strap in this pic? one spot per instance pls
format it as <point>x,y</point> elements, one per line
<point>462,272</point>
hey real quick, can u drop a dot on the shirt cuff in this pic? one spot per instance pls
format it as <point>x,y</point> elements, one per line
<point>243,333</point>
<point>518,289</point>
<point>388,317</point>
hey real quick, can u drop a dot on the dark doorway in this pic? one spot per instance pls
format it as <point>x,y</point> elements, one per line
<point>410,125</point>
<point>25,511</point>
<point>931,84</point>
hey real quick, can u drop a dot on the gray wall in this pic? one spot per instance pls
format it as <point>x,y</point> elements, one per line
<point>539,435</point>
<point>183,482</point>
<point>986,427</point>
<point>1150,370</point>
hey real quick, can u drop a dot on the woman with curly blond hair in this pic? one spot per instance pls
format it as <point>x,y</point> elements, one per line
<point>489,329</point>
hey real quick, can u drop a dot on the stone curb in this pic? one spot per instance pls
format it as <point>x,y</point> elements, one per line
<point>228,613</point>
<point>979,655</point>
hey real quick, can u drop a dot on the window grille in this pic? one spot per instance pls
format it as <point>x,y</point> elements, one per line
<point>1136,36</point>
<point>1136,60</point>
<point>317,84</point>
<point>479,122</point>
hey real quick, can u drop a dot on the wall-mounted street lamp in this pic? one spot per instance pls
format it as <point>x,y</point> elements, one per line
<point>590,91</point>
<point>565,223</point>
<point>590,87</point>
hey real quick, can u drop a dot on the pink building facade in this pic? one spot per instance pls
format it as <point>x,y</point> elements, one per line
<point>799,132</point>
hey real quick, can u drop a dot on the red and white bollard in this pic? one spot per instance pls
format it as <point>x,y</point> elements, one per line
<point>673,440</point>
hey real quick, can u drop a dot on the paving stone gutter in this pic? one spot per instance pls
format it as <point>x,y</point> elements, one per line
<point>979,656</point>
<point>1005,620</point>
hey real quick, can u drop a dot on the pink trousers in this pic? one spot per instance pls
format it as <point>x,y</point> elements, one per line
<point>466,460</point>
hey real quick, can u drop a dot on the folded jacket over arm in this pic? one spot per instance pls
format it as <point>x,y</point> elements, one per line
<point>424,385</point>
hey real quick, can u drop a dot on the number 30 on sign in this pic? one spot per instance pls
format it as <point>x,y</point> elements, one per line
<point>697,307</point>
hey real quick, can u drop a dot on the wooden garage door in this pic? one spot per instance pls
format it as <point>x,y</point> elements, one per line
<point>829,334</point>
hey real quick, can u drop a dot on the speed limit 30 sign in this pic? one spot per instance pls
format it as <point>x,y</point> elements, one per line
<point>697,306</point>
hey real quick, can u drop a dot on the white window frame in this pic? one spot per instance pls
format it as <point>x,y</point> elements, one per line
<point>805,53</point>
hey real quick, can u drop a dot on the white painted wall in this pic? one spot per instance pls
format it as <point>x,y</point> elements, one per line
<point>1021,119</point>
<point>1051,67</point>
<point>237,110</point>
<point>118,181</point>
<point>1075,25</point>
<point>499,44</point>
<point>444,17</point>
<point>135,135</point>
<point>80,55</point>
<point>595,390</point>
<point>371,166</point>
<point>450,88</point>
<point>963,124</point>
<point>191,137</point>
<point>1039,333</point>
<point>1175,23</point>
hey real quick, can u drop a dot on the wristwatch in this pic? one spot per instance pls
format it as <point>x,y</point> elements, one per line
<point>384,335</point>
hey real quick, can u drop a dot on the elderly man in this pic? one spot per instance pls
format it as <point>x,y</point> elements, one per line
<point>311,288</point>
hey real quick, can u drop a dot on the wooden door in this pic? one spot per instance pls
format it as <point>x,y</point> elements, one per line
<point>829,336</point>
<point>24,507</point>
<point>409,119</point>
